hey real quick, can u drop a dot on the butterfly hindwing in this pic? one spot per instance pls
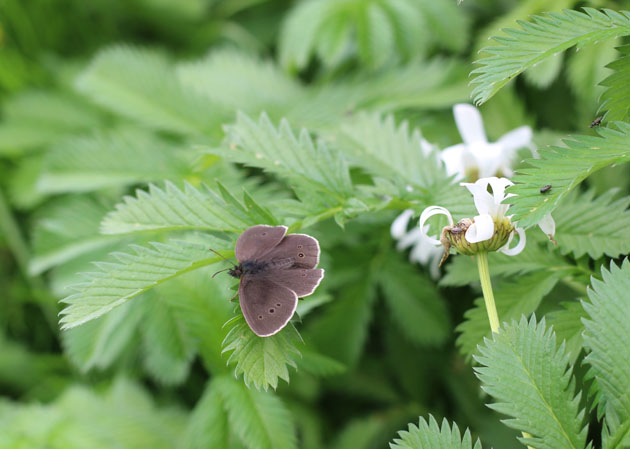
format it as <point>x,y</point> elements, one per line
<point>303,281</point>
<point>267,306</point>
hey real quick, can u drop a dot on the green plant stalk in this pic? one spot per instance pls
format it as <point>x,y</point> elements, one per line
<point>488,297</point>
<point>486,288</point>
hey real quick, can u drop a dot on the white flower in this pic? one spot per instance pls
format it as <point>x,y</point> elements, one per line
<point>476,155</point>
<point>422,248</point>
<point>491,214</point>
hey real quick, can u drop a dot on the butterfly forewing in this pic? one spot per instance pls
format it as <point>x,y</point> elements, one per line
<point>267,306</point>
<point>258,240</point>
<point>304,249</point>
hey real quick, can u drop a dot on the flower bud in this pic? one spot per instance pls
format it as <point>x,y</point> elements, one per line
<point>455,236</point>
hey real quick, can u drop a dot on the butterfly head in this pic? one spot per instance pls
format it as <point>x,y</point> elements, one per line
<point>237,271</point>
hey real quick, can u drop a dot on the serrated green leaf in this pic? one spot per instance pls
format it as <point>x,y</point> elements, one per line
<point>513,300</point>
<point>393,152</point>
<point>564,169</point>
<point>173,208</point>
<point>607,338</point>
<point>587,68</point>
<point>529,377</point>
<point>430,435</point>
<point>567,325</point>
<point>416,306</point>
<point>279,151</point>
<point>168,344</point>
<point>261,360</point>
<point>319,364</point>
<point>107,159</point>
<point>593,226</point>
<point>349,315</point>
<point>542,37</point>
<point>259,418</point>
<point>448,24</point>
<point>208,422</point>
<point>361,433</point>
<point>545,72</point>
<point>615,99</point>
<point>118,282</point>
<point>36,118</point>
<point>126,79</point>
<point>124,416</point>
<point>65,229</point>
<point>202,305</point>
<point>100,342</point>
<point>237,80</point>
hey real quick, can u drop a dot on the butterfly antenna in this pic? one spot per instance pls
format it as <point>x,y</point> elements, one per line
<point>222,256</point>
<point>220,271</point>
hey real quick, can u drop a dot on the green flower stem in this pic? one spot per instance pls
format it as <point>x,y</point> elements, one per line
<point>486,287</point>
<point>488,296</point>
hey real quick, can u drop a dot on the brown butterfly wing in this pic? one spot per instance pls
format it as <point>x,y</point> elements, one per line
<point>303,281</point>
<point>303,248</point>
<point>267,306</point>
<point>258,240</point>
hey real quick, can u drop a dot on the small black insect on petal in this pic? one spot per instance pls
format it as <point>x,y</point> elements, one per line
<point>545,189</point>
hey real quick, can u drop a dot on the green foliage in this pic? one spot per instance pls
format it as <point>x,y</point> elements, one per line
<point>607,339</point>
<point>430,435</point>
<point>120,157</point>
<point>614,100</point>
<point>328,117</point>
<point>260,419</point>
<point>564,169</point>
<point>513,300</point>
<point>543,37</point>
<point>262,361</point>
<point>593,226</point>
<point>247,83</point>
<point>125,414</point>
<point>125,80</point>
<point>528,376</point>
<point>172,208</point>
<point>567,325</point>
<point>297,159</point>
<point>134,273</point>
<point>65,229</point>
<point>379,32</point>
<point>35,118</point>
<point>415,305</point>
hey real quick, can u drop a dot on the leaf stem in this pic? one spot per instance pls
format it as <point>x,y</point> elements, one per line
<point>486,288</point>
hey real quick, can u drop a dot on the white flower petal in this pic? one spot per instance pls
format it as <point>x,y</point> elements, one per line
<point>482,229</point>
<point>498,193</point>
<point>548,225</point>
<point>453,159</point>
<point>515,139</point>
<point>484,202</point>
<point>399,225</point>
<point>469,123</point>
<point>489,157</point>
<point>505,249</point>
<point>428,213</point>
<point>413,237</point>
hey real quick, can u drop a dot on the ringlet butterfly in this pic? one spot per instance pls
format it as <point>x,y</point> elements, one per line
<point>274,271</point>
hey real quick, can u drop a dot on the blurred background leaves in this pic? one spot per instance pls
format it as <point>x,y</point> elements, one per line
<point>173,126</point>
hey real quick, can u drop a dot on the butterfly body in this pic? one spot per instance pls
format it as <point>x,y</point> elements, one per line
<point>274,271</point>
